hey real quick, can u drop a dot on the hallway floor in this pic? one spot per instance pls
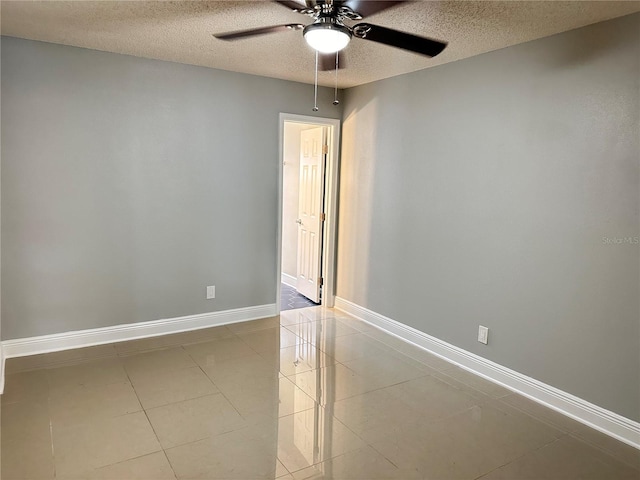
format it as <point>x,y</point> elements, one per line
<point>290,299</point>
<point>312,393</point>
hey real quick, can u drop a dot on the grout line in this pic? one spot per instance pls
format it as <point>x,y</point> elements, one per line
<point>164,452</point>
<point>283,466</point>
<point>213,383</point>
<point>611,454</point>
<point>150,424</point>
<point>518,458</point>
<point>143,409</point>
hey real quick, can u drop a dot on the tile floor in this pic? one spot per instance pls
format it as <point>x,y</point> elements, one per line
<point>310,394</point>
<point>291,299</point>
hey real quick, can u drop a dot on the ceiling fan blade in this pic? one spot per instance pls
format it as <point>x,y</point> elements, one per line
<point>293,4</point>
<point>369,7</point>
<point>398,39</point>
<point>327,61</point>
<point>258,31</point>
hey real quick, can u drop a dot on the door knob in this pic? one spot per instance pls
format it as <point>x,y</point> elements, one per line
<point>299,222</point>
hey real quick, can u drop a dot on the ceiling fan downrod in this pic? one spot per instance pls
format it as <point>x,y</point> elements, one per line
<point>315,87</point>
<point>335,96</point>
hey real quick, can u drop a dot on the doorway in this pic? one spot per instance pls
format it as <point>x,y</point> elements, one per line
<point>308,180</point>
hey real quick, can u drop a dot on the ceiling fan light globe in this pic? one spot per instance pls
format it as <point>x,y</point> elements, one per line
<point>327,38</point>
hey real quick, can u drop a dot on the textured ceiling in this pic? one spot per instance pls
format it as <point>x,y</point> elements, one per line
<point>181,31</point>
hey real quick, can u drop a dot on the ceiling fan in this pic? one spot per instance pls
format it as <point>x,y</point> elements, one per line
<point>328,34</point>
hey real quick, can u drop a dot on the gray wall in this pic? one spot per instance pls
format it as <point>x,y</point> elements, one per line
<point>128,185</point>
<point>479,192</point>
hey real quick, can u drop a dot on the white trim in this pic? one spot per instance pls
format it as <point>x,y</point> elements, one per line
<point>1,370</point>
<point>330,206</point>
<point>288,279</point>
<point>131,331</point>
<point>610,423</point>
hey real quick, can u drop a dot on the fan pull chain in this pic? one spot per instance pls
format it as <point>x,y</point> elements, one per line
<point>315,87</point>
<point>335,97</point>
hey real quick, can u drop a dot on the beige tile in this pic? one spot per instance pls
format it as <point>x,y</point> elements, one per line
<point>192,420</point>
<point>357,323</point>
<point>302,315</point>
<point>541,412</point>
<point>352,347</point>
<point>316,332</point>
<point>219,350</point>
<point>266,431</point>
<point>365,463</point>
<point>19,364</point>
<point>336,382</point>
<point>254,325</point>
<point>246,369</point>
<point>474,381</point>
<point>143,345</point>
<point>90,372</point>
<point>313,436</point>
<point>29,460</point>
<point>425,357</point>
<point>154,466</point>
<point>25,422</point>
<point>281,471</point>
<point>466,445</point>
<point>255,400</point>
<point>158,360</point>
<point>388,339</point>
<point>249,415</point>
<point>296,316</point>
<point>102,442</point>
<point>613,447</point>
<point>433,399</point>
<point>157,387</point>
<point>227,456</point>
<point>84,403</point>
<point>57,359</point>
<point>298,359</point>
<point>268,399</point>
<point>26,386</point>
<point>566,458</point>
<point>406,351</point>
<point>271,339</point>
<point>457,384</point>
<point>204,335</point>
<point>386,369</point>
<point>372,414</point>
<point>173,340</point>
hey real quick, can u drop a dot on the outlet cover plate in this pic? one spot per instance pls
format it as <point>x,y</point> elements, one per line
<point>211,292</point>
<point>483,334</point>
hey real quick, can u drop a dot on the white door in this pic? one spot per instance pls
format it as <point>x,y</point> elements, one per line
<point>310,208</point>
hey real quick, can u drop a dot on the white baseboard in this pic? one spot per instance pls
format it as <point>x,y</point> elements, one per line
<point>610,423</point>
<point>289,280</point>
<point>86,338</point>
<point>1,370</point>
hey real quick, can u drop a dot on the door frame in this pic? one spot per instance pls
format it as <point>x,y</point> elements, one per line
<point>329,235</point>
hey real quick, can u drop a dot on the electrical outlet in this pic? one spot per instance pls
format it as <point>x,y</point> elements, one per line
<point>211,292</point>
<point>483,334</point>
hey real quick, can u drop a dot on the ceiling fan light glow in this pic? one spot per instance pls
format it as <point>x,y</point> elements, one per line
<point>326,37</point>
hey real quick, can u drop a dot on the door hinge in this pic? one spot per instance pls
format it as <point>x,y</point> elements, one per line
<point>319,280</point>
<point>325,149</point>
<point>322,217</point>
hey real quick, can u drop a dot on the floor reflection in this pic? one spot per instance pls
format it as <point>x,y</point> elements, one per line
<point>311,435</point>
<point>309,394</point>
